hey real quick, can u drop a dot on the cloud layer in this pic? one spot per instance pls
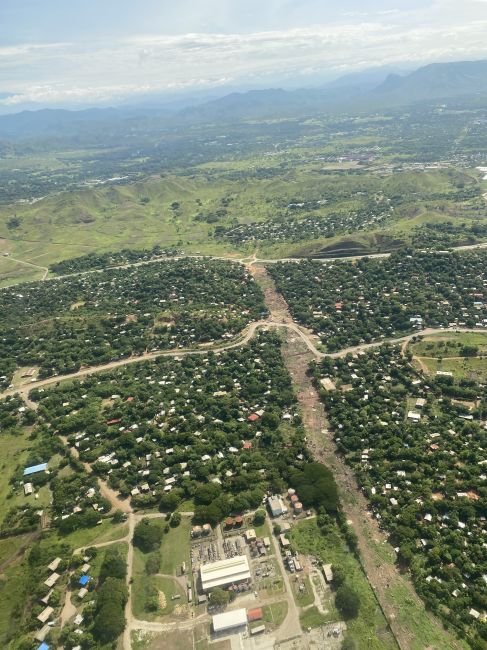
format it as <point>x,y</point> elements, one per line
<point>81,72</point>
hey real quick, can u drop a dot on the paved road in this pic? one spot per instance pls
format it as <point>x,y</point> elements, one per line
<point>248,260</point>
<point>241,340</point>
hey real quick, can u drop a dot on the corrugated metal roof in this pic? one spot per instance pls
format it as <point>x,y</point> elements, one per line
<point>228,620</point>
<point>34,469</point>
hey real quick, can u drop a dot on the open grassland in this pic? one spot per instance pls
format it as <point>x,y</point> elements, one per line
<point>175,547</point>
<point>184,210</point>
<point>452,352</point>
<point>449,344</point>
<point>474,369</point>
<point>275,613</point>
<point>14,584</point>
<point>107,531</point>
<point>370,628</point>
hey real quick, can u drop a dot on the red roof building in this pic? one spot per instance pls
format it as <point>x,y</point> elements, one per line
<point>253,417</point>
<point>247,445</point>
<point>254,614</point>
<point>116,421</point>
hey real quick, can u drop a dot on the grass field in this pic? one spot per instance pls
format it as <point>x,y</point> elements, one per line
<point>312,617</point>
<point>13,592</point>
<point>143,213</point>
<point>275,613</point>
<point>107,531</point>
<point>163,585</point>
<point>449,344</point>
<point>471,368</point>
<point>175,548</point>
<point>370,628</point>
<point>445,353</point>
<point>305,596</point>
<point>14,450</point>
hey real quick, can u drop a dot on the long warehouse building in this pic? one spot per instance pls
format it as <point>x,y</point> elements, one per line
<point>225,572</point>
<point>230,620</point>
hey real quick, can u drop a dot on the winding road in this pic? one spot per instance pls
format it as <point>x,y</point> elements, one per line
<point>279,318</point>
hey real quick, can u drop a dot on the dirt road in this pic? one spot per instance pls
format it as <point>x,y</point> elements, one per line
<point>383,576</point>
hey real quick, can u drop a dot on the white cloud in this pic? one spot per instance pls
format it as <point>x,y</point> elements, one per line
<point>106,71</point>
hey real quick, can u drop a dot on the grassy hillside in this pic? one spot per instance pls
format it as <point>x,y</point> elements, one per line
<point>184,210</point>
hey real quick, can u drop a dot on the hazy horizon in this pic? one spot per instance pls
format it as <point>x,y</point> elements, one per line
<point>86,54</point>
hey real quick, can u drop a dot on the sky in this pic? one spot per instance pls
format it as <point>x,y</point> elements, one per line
<point>96,52</point>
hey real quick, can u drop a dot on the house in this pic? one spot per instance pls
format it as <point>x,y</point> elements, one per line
<point>420,403</point>
<point>78,619</point>
<point>84,580</point>
<point>42,633</point>
<point>51,581</point>
<point>35,469</point>
<point>415,417</point>
<point>284,541</point>
<point>82,593</point>
<point>54,564</point>
<point>45,615</point>
<point>28,489</point>
<point>327,572</point>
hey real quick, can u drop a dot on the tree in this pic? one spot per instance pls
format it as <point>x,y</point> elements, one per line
<point>118,517</point>
<point>259,518</point>
<point>207,493</point>
<point>109,622</point>
<point>338,576</point>
<point>147,535</point>
<point>114,566</point>
<point>347,602</point>
<point>153,563</point>
<point>219,597</point>
<point>175,520</point>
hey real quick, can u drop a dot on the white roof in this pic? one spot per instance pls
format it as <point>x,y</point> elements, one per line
<point>228,620</point>
<point>224,572</point>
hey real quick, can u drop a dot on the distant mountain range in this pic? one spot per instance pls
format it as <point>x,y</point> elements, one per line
<point>369,90</point>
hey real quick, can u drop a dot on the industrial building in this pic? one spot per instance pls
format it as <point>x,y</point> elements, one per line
<point>230,620</point>
<point>276,506</point>
<point>225,572</point>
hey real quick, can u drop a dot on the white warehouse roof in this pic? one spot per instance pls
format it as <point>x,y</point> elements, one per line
<point>227,620</point>
<point>224,572</point>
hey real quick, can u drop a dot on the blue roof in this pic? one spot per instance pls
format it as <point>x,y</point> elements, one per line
<point>33,469</point>
<point>84,580</point>
<point>43,646</point>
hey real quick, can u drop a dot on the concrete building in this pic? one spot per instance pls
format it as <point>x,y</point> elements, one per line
<point>230,620</point>
<point>276,506</point>
<point>225,572</point>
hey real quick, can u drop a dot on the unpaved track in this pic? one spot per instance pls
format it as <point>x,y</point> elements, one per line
<point>382,576</point>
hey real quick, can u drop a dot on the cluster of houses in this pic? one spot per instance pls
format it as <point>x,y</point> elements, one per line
<point>156,454</point>
<point>391,486</point>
